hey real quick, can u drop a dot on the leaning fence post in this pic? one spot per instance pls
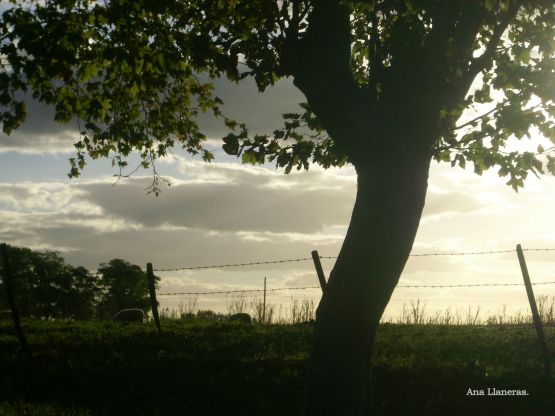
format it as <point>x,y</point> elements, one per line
<point>533,306</point>
<point>8,285</point>
<point>319,270</point>
<point>152,291</point>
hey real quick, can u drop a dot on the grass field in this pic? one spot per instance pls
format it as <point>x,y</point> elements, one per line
<point>223,368</point>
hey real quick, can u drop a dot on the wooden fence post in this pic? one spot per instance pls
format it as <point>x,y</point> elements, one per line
<point>319,270</point>
<point>535,314</point>
<point>264,304</point>
<point>8,285</point>
<point>152,291</point>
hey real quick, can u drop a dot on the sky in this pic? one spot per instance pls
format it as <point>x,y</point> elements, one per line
<point>226,213</point>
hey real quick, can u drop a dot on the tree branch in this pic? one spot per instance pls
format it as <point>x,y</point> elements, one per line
<point>504,104</point>
<point>284,12</point>
<point>483,61</point>
<point>322,71</point>
<point>468,123</point>
<point>304,13</point>
<point>374,55</point>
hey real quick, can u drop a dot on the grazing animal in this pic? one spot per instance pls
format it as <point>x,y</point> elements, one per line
<point>130,315</point>
<point>241,317</point>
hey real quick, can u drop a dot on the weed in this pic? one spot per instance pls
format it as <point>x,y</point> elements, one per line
<point>263,313</point>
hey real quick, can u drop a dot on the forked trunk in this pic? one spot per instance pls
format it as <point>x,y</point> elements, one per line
<point>389,202</point>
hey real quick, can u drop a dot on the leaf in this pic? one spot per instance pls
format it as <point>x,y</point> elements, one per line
<point>89,71</point>
<point>445,156</point>
<point>550,166</point>
<point>462,161</point>
<point>490,4</point>
<point>134,90</point>
<point>248,158</point>
<point>231,144</point>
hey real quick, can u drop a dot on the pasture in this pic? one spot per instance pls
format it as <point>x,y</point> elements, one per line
<point>211,367</point>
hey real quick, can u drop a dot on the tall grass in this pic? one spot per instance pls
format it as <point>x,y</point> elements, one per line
<point>302,310</point>
<point>416,313</point>
<point>546,309</point>
<point>236,304</point>
<point>185,310</point>
<point>299,311</point>
<point>262,313</point>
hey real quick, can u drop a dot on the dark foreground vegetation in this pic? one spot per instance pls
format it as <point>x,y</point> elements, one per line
<point>203,367</point>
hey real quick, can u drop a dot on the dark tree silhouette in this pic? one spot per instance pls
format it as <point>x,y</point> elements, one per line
<point>124,286</point>
<point>46,287</point>
<point>386,83</point>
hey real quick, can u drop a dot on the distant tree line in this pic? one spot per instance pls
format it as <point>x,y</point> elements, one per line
<point>46,287</point>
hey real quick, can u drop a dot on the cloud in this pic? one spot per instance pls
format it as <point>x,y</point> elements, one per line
<point>217,213</point>
<point>228,213</point>
<point>226,197</point>
<point>262,112</point>
<point>40,133</point>
<point>449,203</point>
<point>38,197</point>
<point>85,245</point>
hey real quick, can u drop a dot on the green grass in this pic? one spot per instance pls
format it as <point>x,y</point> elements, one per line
<point>224,368</point>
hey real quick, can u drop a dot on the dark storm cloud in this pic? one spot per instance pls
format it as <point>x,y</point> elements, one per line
<point>262,112</point>
<point>247,201</point>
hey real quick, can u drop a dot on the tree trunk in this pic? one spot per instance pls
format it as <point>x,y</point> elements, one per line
<point>389,202</point>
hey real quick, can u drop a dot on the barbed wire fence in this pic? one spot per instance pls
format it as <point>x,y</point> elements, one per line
<point>282,292</point>
<point>296,260</point>
<point>416,311</point>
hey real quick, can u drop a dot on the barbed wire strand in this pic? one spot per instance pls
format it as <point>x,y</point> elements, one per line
<point>219,292</point>
<point>257,263</point>
<point>221,266</point>
<point>476,285</point>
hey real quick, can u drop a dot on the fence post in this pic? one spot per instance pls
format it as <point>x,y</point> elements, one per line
<point>533,306</point>
<point>8,285</point>
<point>264,304</point>
<point>319,270</point>
<point>152,291</point>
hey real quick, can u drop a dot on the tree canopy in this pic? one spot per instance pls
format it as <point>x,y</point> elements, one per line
<point>124,286</point>
<point>46,287</point>
<point>389,85</point>
<point>130,73</point>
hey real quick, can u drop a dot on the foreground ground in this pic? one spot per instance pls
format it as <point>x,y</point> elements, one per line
<point>223,368</point>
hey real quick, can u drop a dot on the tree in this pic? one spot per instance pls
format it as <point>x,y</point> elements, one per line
<point>124,286</point>
<point>386,83</point>
<point>59,290</point>
<point>46,287</point>
<point>81,299</point>
<point>20,260</point>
